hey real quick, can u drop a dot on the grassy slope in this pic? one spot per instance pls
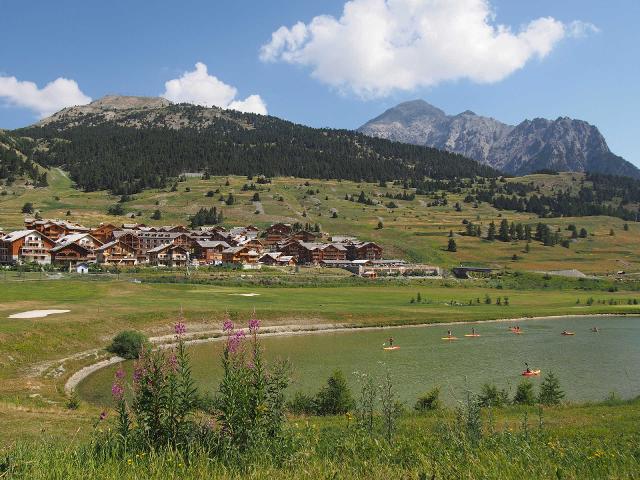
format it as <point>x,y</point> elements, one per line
<point>412,231</point>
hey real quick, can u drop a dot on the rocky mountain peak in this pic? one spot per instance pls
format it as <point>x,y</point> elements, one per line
<point>565,144</point>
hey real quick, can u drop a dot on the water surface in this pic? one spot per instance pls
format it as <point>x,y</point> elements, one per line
<point>590,366</point>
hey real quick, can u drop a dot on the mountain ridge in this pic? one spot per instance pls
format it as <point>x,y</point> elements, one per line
<point>127,144</point>
<point>563,144</point>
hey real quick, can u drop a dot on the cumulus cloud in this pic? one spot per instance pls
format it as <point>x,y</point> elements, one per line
<point>200,88</point>
<point>378,46</point>
<point>54,96</point>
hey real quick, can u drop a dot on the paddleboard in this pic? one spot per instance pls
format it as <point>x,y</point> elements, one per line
<point>391,348</point>
<point>472,335</point>
<point>449,338</point>
<point>567,334</point>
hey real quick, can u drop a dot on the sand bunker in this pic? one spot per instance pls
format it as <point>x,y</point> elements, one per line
<point>37,313</point>
<point>246,294</point>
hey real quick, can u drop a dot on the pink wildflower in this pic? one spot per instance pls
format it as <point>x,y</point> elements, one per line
<point>117,391</point>
<point>173,362</point>
<point>254,324</point>
<point>227,326</point>
<point>120,374</point>
<point>180,328</point>
<point>235,340</point>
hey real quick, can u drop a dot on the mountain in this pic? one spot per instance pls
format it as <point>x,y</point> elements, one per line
<point>563,144</point>
<point>127,144</point>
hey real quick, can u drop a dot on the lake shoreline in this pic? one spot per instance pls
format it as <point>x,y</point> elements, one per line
<point>168,341</point>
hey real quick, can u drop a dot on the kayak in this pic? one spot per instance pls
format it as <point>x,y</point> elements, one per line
<point>449,338</point>
<point>391,348</point>
<point>532,373</point>
<point>567,333</point>
<point>472,335</point>
<point>517,332</point>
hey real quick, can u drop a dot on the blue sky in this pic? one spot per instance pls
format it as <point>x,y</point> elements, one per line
<point>555,68</point>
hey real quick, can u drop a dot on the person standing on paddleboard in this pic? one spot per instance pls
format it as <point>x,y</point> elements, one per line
<point>391,341</point>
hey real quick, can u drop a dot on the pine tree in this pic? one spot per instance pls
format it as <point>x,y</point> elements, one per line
<point>524,394</point>
<point>503,234</point>
<point>550,392</point>
<point>491,233</point>
<point>156,215</point>
<point>452,247</point>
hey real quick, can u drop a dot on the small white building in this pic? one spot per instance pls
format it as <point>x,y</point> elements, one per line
<point>82,268</point>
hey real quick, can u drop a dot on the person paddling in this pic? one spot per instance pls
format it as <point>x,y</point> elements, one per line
<point>449,334</point>
<point>391,341</point>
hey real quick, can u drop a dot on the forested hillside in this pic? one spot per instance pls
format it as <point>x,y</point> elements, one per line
<point>138,149</point>
<point>14,161</point>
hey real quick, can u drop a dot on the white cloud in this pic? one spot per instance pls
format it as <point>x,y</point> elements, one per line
<point>580,29</point>
<point>378,46</point>
<point>54,96</point>
<point>200,88</point>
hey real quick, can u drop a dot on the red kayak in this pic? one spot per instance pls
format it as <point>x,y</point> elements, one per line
<point>531,373</point>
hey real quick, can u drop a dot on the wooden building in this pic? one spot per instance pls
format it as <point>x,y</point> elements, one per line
<point>25,246</point>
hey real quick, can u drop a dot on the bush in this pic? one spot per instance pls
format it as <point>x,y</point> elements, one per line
<point>115,209</point>
<point>73,402</point>
<point>128,344</point>
<point>302,404</point>
<point>550,392</point>
<point>429,401</point>
<point>27,208</point>
<point>490,396</point>
<point>524,394</point>
<point>335,397</point>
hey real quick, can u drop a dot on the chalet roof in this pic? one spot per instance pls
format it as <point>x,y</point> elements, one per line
<point>212,243</point>
<point>159,248</point>
<point>273,255</point>
<point>336,262</point>
<point>107,245</point>
<point>18,234</point>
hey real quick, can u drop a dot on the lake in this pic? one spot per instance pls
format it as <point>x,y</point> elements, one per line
<point>589,365</point>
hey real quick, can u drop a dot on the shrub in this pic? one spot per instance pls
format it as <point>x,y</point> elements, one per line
<point>335,397</point>
<point>490,396</point>
<point>301,404</point>
<point>27,208</point>
<point>524,394</point>
<point>429,401</point>
<point>73,402</point>
<point>115,209</point>
<point>128,344</point>
<point>550,392</point>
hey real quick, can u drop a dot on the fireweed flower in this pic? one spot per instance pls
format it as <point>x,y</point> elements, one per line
<point>254,324</point>
<point>235,340</point>
<point>227,326</point>
<point>173,362</point>
<point>180,328</point>
<point>120,374</point>
<point>117,391</point>
<point>138,372</point>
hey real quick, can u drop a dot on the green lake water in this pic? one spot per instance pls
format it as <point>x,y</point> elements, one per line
<point>590,365</point>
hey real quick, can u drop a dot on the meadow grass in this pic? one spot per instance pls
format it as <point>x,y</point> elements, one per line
<point>573,442</point>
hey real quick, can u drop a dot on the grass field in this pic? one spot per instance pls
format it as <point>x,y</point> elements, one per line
<point>412,231</point>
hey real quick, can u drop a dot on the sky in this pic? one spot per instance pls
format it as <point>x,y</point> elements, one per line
<point>334,63</point>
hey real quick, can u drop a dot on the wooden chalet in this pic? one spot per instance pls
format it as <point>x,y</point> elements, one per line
<point>243,255</point>
<point>74,249</point>
<point>104,232</point>
<point>277,259</point>
<point>364,251</point>
<point>168,255</point>
<point>54,229</point>
<point>116,253</point>
<point>277,233</point>
<point>25,246</point>
<point>209,251</point>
